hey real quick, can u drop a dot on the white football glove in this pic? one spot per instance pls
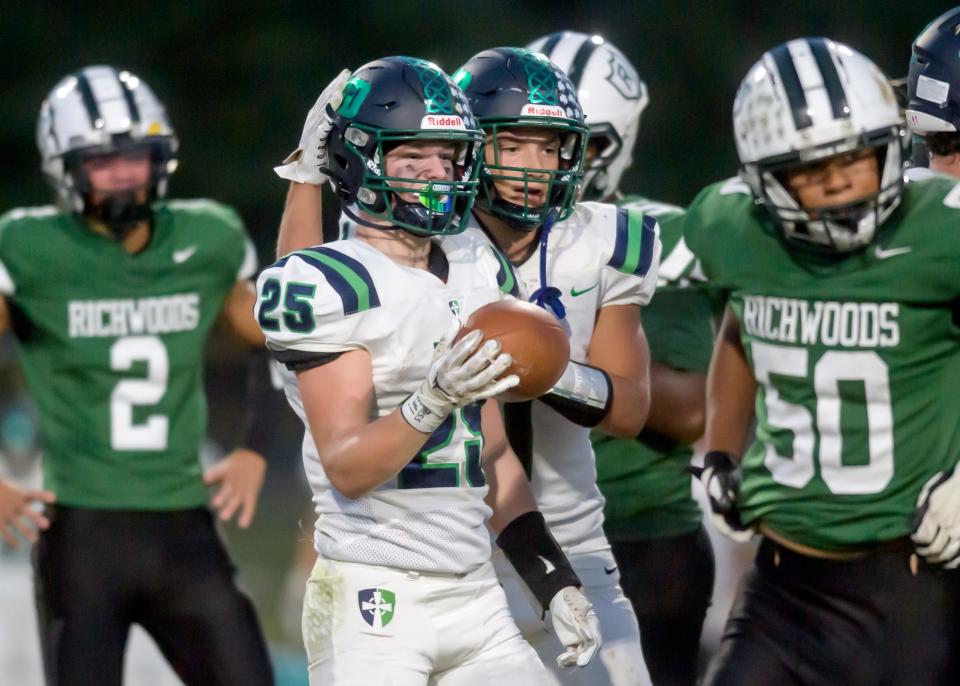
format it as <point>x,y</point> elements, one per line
<point>303,165</point>
<point>937,533</point>
<point>458,376</point>
<point>577,627</point>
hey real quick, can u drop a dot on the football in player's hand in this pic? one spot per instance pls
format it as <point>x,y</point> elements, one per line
<point>534,339</point>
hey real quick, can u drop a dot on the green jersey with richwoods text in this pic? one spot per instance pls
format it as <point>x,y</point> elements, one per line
<point>646,481</point>
<point>112,347</point>
<point>857,361</point>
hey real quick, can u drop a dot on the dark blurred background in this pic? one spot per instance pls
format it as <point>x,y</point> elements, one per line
<point>238,77</point>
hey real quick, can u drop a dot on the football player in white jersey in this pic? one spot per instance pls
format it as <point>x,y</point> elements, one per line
<point>933,92</point>
<point>665,561</point>
<point>406,461</point>
<point>593,265</point>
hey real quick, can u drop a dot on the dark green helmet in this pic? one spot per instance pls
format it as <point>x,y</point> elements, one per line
<point>513,87</point>
<point>389,102</point>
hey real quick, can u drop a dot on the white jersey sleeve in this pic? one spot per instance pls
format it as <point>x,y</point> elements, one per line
<point>632,243</point>
<point>314,300</point>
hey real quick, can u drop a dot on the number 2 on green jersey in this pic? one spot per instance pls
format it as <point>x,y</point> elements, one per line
<point>151,434</point>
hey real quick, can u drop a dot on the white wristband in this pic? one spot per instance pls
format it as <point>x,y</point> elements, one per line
<point>422,414</point>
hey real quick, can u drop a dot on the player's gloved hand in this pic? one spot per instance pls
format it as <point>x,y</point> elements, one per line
<point>18,514</point>
<point>937,530</point>
<point>459,375</point>
<point>721,480</point>
<point>305,164</point>
<point>576,625</point>
<point>239,477</point>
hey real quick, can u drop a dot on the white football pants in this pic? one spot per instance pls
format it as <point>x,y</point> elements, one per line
<point>373,626</point>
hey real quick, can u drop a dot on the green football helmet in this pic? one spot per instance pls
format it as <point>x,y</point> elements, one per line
<point>387,103</point>
<point>514,87</point>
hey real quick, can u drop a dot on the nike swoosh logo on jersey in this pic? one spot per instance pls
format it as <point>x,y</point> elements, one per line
<point>610,570</point>
<point>547,564</point>
<point>574,292</point>
<point>181,256</point>
<point>882,254</point>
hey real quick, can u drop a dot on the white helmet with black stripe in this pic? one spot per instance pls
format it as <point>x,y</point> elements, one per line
<point>612,96</point>
<point>101,110</point>
<point>805,100</point>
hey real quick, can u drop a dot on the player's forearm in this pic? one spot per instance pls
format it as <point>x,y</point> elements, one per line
<point>263,407</point>
<point>677,403</point>
<point>302,223</point>
<point>508,490</point>
<point>619,347</point>
<point>630,406</point>
<point>359,460</point>
<point>237,314</point>
<point>509,494</point>
<point>731,390</point>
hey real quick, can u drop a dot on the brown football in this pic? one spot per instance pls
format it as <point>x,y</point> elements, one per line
<point>534,338</point>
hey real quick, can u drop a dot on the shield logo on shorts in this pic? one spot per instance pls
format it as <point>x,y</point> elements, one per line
<point>376,606</point>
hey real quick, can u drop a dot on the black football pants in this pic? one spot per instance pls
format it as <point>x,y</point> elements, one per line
<point>870,621</point>
<point>99,571</point>
<point>669,582</point>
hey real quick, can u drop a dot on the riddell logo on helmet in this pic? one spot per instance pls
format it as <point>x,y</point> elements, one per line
<point>442,121</point>
<point>542,111</point>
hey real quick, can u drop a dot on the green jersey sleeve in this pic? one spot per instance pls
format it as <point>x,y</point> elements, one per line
<point>220,225</point>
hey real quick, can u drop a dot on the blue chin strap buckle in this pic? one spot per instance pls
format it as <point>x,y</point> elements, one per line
<point>547,297</point>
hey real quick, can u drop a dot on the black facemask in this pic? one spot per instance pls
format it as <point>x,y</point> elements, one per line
<point>120,212</point>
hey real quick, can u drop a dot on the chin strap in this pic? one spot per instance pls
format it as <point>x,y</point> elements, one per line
<point>547,297</point>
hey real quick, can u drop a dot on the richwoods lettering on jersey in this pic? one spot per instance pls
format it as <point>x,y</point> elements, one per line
<point>124,317</point>
<point>830,323</point>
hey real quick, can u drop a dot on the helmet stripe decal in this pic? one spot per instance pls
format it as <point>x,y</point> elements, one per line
<point>791,86</point>
<point>128,96</point>
<point>831,78</point>
<point>89,101</point>
<point>580,61</point>
<point>551,43</point>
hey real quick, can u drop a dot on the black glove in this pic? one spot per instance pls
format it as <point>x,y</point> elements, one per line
<point>720,477</point>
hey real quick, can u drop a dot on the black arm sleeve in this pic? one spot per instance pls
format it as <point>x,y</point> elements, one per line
<point>262,402</point>
<point>537,557</point>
